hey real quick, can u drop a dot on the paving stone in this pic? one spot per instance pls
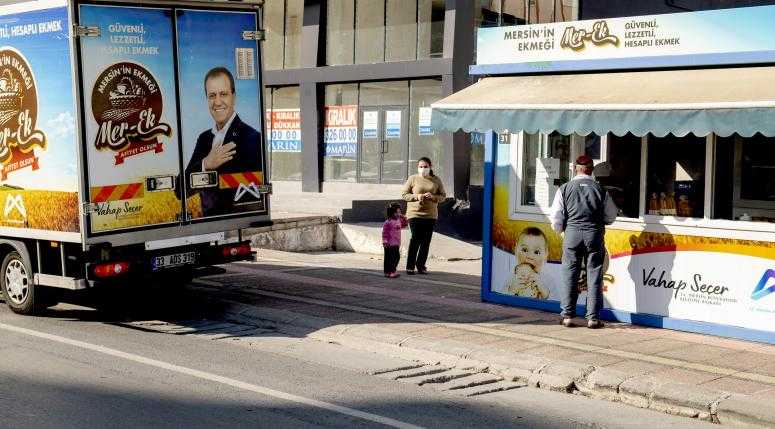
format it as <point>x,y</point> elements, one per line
<point>602,383</point>
<point>553,352</point>
<point>686,376</point>
<point>747,411</point>
<point>736,385</point>
<point>636,367</point>
<point>697,353</point>
<point>560,376</point>
<point>446,346</point>
<point>376,334</point>
<point>593,358</point>
<point>637,391</point>
<point>477,339</point>
<point>506,354</point>
<point>741,361</point>
<point>654,346</point>
<point>685,400</point>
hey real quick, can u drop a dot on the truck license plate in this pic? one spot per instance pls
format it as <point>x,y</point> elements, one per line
<point>174,260</point>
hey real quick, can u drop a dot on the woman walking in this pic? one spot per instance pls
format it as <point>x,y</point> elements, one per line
<point>423,192</point>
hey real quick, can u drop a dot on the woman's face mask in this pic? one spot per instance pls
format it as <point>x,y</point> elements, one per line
<point>423,171</point>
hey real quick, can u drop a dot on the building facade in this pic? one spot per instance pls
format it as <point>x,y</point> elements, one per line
<point>349,84</point>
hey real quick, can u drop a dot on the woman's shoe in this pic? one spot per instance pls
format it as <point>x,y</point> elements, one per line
<point>392,275</point>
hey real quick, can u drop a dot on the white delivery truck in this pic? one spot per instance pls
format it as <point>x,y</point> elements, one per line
<point>131,142</point>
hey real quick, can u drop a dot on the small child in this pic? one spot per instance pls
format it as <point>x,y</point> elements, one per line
<point>391,238</point>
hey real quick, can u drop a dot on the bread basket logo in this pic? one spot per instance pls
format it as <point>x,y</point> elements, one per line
<point>18,114</point>
<point>127,105</point>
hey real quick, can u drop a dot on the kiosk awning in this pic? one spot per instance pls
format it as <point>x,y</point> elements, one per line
<point>721,101</point>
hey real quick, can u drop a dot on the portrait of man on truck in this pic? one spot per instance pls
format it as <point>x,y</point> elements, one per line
<point>232,148</point>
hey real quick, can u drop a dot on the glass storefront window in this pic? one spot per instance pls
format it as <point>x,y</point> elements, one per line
<point>546,161</point>
<point>744,179</point>
<point>675,176</point>
<point>369,31</point>
<point>340,133</point>
<point>340,32</point>
<point>284,133</point>
<point>375,132</point>
<point>423,141</point>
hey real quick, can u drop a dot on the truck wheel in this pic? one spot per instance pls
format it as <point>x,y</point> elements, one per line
<point>17,284</point>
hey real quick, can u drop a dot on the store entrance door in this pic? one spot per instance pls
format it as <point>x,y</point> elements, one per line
<point>384,144</point>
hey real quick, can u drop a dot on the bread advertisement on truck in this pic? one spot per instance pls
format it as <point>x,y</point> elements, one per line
<point>38,177</point>
<point>131,135</point>
<point>221,128</point>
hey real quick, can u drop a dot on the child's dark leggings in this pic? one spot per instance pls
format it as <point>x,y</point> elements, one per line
<point>392,255</point>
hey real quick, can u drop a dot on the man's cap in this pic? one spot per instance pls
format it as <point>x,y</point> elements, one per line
<point>584,160</point>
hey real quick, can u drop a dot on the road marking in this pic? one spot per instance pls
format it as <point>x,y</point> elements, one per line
<point>387,421</point>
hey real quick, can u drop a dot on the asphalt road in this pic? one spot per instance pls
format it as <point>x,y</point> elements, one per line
<point>77,367</point>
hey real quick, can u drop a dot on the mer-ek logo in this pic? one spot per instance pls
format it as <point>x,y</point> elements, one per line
<point>761,290</point>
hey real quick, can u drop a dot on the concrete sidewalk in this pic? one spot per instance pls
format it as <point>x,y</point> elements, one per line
<point>439,319</point>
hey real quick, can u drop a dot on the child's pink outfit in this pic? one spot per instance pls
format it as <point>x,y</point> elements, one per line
<point>391,241</point>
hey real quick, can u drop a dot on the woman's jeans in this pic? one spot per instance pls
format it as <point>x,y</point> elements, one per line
<point>419,245</point>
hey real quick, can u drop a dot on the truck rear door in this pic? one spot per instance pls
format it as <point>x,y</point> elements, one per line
<point>172,102</point>
<point>129,92</point>
<point>223,150</point>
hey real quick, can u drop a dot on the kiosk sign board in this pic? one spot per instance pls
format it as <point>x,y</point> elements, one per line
<point>727,36</point>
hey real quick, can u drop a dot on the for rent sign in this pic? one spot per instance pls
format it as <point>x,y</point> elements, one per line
<point>285,126</point>
<point>341,131</point>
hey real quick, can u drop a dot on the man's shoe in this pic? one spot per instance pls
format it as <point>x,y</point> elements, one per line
<point>410,272</point>
<point>567,322</point>
<point>422,271</point>
<point>594,324</point>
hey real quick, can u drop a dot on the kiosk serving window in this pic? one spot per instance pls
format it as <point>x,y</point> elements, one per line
<point>663,180</point>
<point>744,180</point>
<point>675,176</point>
<point>619,172</point>
<point>544,163</point>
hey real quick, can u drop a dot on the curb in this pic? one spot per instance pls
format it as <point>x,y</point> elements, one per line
<point>642,391</point>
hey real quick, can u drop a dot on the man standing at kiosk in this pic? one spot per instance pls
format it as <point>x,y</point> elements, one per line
<point>581,209</point>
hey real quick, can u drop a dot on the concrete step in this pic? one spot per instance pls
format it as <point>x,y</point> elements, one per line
<point>367,238</point>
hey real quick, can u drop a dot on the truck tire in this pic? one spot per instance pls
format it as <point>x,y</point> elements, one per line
<point>17,284</point>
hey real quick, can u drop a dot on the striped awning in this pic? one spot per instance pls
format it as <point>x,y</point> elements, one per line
<point>721,101</point>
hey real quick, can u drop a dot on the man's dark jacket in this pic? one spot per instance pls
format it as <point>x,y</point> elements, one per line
<point>248,157</point>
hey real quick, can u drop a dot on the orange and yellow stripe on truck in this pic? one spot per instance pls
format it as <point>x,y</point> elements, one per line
<point>101,194</point>
<point>234,180</point>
